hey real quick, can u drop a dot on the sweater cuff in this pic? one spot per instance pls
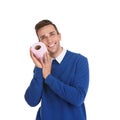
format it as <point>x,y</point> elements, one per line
<point>38,72</point>
<point>49,80</point>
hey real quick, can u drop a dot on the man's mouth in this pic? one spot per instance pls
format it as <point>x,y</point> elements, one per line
<point>51,45</point>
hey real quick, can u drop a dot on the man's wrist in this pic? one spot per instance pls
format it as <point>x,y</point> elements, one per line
<point>46,76</point>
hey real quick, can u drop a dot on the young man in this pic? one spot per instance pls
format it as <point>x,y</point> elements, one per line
<point>61,86</point>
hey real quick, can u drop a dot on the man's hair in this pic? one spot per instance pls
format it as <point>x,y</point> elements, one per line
<point>44,23</point>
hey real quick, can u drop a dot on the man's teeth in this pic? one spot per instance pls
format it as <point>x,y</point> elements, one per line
<point>51,45</point>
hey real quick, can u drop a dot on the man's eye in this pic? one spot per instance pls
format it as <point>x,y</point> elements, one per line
<point>42,38</point>
<point>52,34</point>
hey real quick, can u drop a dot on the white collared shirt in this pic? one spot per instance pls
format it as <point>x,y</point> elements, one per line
<point>60,57</point>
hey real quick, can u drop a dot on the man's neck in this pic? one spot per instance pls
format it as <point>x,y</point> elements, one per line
<point>54,55</point>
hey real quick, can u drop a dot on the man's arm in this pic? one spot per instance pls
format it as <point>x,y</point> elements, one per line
<point>34,91</point>
<point>76,92</point>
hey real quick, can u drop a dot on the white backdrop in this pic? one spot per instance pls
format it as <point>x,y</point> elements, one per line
<point>89,27</point>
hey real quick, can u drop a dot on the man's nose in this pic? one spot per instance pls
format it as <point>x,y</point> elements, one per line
<point>49,39</point>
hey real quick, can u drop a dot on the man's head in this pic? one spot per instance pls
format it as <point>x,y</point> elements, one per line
<point>43,23</point>
<point>48,33</point>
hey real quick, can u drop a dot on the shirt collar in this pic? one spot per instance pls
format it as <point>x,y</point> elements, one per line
<point>60,57</point>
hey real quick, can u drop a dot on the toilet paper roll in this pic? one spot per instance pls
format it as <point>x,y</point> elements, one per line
<point>39,49</point>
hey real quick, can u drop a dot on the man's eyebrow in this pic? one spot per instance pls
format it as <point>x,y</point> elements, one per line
<point>52,32</point>
<point>47,33</point>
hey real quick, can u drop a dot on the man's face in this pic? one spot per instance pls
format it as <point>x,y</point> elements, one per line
<point>49,36</point>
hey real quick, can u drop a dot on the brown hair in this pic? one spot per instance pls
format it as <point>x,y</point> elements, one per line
<point>44,23</point>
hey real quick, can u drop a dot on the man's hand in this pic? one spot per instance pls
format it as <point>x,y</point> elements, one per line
<point>35,60</point>
<point>46,65</point>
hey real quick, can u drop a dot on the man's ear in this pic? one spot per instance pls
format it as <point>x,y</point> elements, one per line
<point>59,36</point>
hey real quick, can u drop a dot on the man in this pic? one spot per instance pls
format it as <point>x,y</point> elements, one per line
<point>61,86</point>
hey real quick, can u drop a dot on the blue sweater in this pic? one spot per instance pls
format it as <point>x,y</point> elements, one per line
<point>63,92</point>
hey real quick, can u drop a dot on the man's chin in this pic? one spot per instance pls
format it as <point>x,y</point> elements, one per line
<point>51,52</point>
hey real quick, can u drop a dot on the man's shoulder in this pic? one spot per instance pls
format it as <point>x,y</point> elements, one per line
<point>76,55</point>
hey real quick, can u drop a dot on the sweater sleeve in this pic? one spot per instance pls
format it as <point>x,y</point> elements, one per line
<point>75,92</point>
<point>34,91</point>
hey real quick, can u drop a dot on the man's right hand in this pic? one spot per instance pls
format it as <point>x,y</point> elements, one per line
<point>35,60</point>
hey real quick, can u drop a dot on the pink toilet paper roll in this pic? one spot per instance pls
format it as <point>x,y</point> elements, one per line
<point>39,49</point>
